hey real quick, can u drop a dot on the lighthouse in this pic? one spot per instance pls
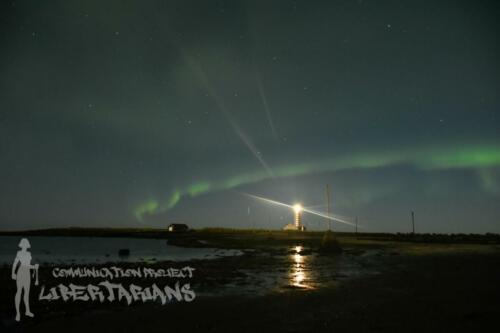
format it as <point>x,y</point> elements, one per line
<point>297,209</point>
<point>297,219</point>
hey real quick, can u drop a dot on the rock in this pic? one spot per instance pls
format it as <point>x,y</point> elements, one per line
<point>329,244</point>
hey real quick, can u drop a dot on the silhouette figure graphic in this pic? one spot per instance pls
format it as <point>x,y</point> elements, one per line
<point>23,277</point>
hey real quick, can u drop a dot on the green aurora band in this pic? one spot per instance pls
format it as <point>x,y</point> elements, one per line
<point>464,157</point>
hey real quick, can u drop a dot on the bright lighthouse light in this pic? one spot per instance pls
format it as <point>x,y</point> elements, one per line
<point>297,208</point>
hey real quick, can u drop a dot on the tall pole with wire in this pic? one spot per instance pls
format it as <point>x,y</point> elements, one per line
<point>413,222</point>
<point>327,193</point>
<point>356,226</point>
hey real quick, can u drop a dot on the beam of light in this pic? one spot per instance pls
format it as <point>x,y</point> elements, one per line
<point>198,71</point>
<point>324,206</point>
<point>267,200</point>
<point>253,149</point>
<point>254,41</point>
<point>332,217</point>
<point>263,97</point>
<point>443,158</point>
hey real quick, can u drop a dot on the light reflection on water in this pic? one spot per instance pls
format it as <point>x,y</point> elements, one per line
<point>299,274</point>
<point>297,267</point>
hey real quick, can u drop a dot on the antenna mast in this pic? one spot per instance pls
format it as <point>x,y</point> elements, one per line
<point>328,207</point>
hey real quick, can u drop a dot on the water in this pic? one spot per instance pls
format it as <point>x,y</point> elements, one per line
<point>295,268</point>
<point>299,269</point>
<point>87,250</point>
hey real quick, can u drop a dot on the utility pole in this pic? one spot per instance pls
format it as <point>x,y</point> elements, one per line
<point>356,226</point>
<point>249,218</point>
<point>328,207</point>
<point>413,222</point>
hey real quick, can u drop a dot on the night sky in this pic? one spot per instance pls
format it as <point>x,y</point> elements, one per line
<point>144,113</point>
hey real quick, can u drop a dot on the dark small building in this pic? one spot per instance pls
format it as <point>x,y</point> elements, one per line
<point>178,227</point>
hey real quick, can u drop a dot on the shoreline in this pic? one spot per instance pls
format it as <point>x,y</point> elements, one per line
<point>223,237</point>
<point>411,293</point>
<point>372,286</point>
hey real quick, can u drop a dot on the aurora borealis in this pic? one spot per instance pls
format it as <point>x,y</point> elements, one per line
<point>131,114</point>
<point>475,158</point>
